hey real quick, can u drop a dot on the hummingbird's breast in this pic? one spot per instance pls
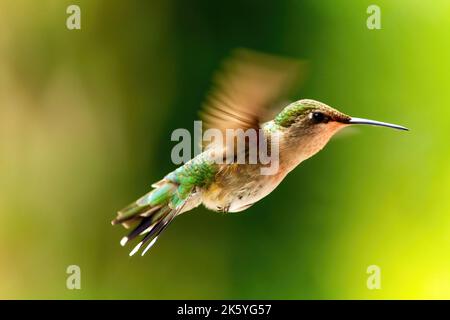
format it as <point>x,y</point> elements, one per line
<point>237,187</point>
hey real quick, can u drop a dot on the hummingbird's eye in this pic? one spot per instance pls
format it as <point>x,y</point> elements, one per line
<point>319,117</point>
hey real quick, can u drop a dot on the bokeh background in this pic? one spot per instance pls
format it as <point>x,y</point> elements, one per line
<point>85,124</point>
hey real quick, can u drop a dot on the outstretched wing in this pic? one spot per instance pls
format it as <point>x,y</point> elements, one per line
<point>247,86</point>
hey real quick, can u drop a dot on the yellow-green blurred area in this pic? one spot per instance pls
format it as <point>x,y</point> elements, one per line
<point>85,123</point>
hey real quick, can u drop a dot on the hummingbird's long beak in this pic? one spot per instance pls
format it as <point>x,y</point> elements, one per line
<point>375,123</point>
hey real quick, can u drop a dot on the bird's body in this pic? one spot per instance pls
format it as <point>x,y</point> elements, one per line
<point>236,186</point>
<point>301,130</point>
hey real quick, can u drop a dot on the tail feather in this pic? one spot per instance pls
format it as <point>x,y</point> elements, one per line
<point>145,225</point>
<point>146,205</point>
<point>126,216</point>
<point>152,236</point>
<point>156,230</point>
<point>150,214</point>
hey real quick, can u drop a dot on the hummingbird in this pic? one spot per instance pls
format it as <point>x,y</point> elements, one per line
<point>244,92</point>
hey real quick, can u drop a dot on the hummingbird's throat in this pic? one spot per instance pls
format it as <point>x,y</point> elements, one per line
<point>294,149</point>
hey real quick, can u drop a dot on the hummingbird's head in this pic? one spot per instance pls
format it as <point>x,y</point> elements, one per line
<point>311,118</point>
<point>313,123</point>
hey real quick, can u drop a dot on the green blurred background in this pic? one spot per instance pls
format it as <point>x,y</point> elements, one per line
<point>85,124</point>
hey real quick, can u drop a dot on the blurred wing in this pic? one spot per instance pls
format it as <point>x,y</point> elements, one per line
<point>246,87</point>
